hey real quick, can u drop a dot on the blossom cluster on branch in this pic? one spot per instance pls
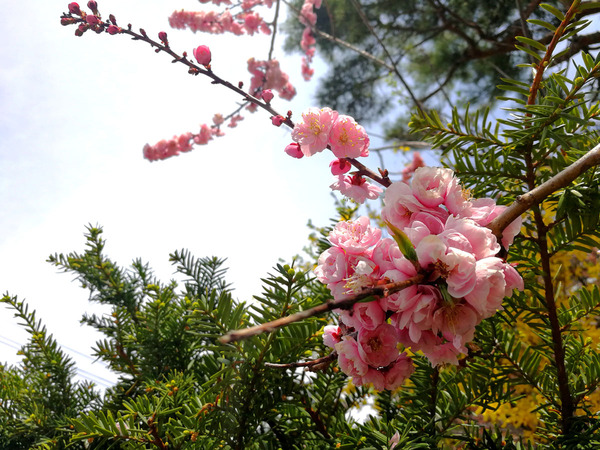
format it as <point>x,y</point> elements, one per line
<point>439,233</point>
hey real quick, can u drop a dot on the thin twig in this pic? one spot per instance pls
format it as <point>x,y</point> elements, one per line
<point>394,67</point>
<point>312,364</point>
<point>380,291</point>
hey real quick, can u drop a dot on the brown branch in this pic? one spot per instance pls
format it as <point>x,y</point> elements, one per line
<point>381,291</point>
<point>539,72</point>
<point>313,365</point>
<point>535,196</point>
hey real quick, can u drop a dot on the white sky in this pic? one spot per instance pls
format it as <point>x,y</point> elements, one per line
<point>75,113</point>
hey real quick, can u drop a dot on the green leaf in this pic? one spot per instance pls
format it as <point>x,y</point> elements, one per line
<point>535,44</point>
<point>406,247</point>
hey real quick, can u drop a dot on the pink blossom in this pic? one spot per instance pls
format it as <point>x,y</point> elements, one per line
<point>202,55</point>
<point>509,233</point>
<point>308,39</point>
<point>332,334</point>
<point>312,132</point>
<point>378,347</point>
<point>408,171</point>
<point>416,307</point>
<point>92,20</point>
<point>373,377</point>
<point>347,138</point>
<point>204,136</point>
<point>481,242</point>
<point>307,15</point>
<point>349,358</point>
<point>267,95</point>
<point>112,29</point>
<point>456,323</point>
<point>445,353</point>
<point>363,273</point>
<point>332,266</point>
<point>456,266</point>
<point>340,166</point>
<point>513,280</point>
<point>366,316</point>
<point>252,22</point>
<point>306,70</point>
<point>490,287</point>
<point>400,204</point>
<point>398,372</point>
<point>218,119</point>
<point>294,151</point>
<point>381,254</point>
<point>356,188</point>
<point>74,8</point>
<point>429,185</point>
<point>355,236</point>
<point>277,120</point>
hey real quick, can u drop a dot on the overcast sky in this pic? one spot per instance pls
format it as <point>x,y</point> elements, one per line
<point>75,115</point>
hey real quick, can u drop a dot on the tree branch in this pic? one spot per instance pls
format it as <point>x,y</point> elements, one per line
<point>381,291</point>
<point>538,194</point>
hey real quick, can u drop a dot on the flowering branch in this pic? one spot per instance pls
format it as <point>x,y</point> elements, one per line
<point>381,291</point>
<point>312,365</point>
<point>68,19</point>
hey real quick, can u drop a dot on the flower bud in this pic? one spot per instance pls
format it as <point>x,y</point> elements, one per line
<point>74,8</point>
<point>267,95</point>
<point>162,36</point>
<point>202,55</point>
<point>113,29</point>
<point>92,20</point>
<point>277,120</point>
<point>112,19</point>
<point>93,6</point>
<point>67,20</point>
<point>340,166</point>
<point>294,151</point>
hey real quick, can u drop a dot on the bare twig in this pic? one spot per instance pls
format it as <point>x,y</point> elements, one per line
<point>394,67</point>
<point>313,365</point>
<point>381,291</point>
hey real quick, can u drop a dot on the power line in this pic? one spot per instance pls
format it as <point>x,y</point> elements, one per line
<point>92,377</point>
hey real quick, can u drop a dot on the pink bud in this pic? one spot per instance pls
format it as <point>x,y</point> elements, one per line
<point>92,20</point>
<point>277,120</point>
<point>340,166</point>
<point>74,8</point>
<point>294,151</point>
<point>202,55</point>
<point>267,95</point>
<point>93,6</point>
<point>162,36</point>
<point>113,29</point>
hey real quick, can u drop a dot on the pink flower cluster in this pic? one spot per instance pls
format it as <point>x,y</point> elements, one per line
<point>245,22</point>
<point>450,246</point>
<point>309,19</point>
<point>180,144</point>
<point>268,75</point>
<point>325,128</point>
